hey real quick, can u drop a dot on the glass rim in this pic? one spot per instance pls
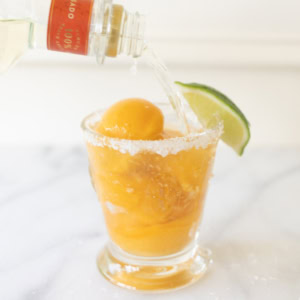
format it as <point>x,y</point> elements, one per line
<point>163,147</point>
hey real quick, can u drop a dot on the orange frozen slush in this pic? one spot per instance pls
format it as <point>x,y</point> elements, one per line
<point>152,204</point>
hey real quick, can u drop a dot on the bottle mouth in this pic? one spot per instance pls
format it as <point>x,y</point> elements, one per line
<point>126,34</point>
<point>199,139</point>
<point>132,35</point>
<point>120,32</point>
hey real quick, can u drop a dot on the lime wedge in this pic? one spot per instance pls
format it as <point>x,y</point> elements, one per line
<point>209,104</point>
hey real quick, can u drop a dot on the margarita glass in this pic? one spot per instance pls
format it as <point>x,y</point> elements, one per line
<point>152,195</point>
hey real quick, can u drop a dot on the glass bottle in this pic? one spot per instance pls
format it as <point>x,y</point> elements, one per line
<point>88,27</point>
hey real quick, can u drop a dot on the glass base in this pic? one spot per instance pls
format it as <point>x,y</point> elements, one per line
<point>153,273</point>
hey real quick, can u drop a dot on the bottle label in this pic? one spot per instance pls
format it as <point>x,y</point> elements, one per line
<point>69,26</point>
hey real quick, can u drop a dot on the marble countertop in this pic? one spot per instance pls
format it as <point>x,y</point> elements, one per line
<point>51,228</point>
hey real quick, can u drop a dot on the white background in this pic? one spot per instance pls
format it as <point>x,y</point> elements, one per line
<point>51,224</point>
<point>250,50</point>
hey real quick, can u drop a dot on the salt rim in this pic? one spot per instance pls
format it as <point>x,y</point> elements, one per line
<point>160,147</point>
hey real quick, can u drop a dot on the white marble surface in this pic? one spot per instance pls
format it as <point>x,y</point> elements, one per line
<point>51,228</point>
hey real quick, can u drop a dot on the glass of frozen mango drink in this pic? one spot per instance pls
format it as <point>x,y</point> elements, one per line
<point>151,180</point>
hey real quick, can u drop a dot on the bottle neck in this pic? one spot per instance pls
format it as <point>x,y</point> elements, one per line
<point>115,31</point>
<point>132,39</point>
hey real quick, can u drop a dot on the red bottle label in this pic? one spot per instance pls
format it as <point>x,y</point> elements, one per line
<point>69,26</point>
